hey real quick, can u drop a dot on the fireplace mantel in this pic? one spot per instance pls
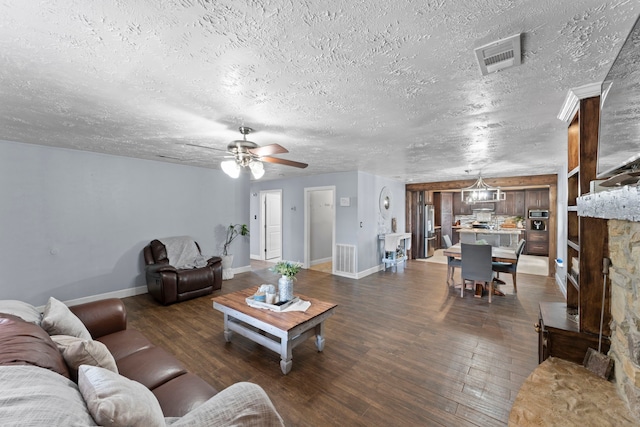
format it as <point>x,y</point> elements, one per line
<point>621,203</point>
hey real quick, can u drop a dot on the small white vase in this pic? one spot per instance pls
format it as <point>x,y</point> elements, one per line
<point>227,271</point>
<point>285,288</point>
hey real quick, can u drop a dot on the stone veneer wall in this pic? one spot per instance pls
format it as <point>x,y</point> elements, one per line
<point>624,251</point>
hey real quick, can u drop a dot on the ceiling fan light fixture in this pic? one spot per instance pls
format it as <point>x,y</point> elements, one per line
<point>231,168</point>
<point>257,169</point>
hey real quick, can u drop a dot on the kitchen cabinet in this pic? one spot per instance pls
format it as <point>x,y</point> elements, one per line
<point>537,199</point>
<point>513,205</point>
<point>537,243</point>
<point>459,207</point>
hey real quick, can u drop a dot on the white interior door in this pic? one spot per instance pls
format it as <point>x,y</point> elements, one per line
<point>272,217</point>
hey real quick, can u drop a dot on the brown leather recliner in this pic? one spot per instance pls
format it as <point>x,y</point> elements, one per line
<point>168,284</point>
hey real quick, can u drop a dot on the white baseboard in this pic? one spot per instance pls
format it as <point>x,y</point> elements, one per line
<point>239,270</point>
<point>255,257</point>
<point>369,271</point>
<point>123,293</point>
<point>561,284</point>
<point>360,274</point>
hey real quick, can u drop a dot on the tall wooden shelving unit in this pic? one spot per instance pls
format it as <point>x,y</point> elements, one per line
<point>587,238</point>
<point>567,330</point>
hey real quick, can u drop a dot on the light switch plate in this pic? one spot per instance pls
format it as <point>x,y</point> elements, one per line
<point>345,201</point>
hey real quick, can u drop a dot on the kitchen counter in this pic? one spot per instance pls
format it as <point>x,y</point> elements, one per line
<point>498,237</point>
<point>489,231</point>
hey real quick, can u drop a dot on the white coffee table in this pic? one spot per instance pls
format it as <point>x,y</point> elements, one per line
<point>284,330</point>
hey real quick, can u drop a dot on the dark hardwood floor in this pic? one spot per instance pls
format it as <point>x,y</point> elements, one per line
<point>401,350</point>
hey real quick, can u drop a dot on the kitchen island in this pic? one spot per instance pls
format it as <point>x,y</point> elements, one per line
<point>496,237</point>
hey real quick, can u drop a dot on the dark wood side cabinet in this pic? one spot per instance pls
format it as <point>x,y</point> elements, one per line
<point>560,337</point>
<point>537,243</point>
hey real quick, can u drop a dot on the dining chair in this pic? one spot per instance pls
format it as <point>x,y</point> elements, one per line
<point>509,267</point>
<point>477,267</point>
<point>452,262</point>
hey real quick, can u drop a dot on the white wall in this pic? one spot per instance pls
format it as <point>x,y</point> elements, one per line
<point>73,223</point>
<point>357,224</point>
<point>370,220</point>
<point>346,184</point>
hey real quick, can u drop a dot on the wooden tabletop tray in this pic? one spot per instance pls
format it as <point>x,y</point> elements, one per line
<point>275,307</point>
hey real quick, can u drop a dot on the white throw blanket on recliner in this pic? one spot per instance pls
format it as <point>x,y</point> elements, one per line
<point>182,252</point>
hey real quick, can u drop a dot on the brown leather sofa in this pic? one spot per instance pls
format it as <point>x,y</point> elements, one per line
<point>177,390</point>
<point>168,284</point>
<point>37,386</point>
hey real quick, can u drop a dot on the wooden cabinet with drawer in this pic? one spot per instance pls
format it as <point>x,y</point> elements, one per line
<point>558,336</point>
<point>537,243</point>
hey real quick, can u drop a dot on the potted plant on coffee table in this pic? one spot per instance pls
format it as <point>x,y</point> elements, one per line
<point>233,231</point>
<point>288,270</point>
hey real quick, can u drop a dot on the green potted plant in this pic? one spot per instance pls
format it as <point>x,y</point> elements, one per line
<point>288,270</point>
<point>233,231</point>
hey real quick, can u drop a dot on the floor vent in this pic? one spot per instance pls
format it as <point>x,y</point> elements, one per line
<point>498,55</point>
<point>345,259</point>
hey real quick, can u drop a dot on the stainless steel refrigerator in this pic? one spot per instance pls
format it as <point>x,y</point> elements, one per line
<point>429,231</point>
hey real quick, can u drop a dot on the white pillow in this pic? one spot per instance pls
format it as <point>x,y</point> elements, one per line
<point>242,404</point>
<point>77,351</point>
<point>57,319</point>
<point>114,400</point>
<point>25,311</point>
<point>32,396</point>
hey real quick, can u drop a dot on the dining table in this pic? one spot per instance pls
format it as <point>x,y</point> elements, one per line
<point>498,254</point>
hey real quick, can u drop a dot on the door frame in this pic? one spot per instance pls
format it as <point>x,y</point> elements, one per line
<point>307,225</point>
<point>263,224</point>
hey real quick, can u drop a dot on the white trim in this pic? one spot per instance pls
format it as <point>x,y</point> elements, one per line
<point>255,257</point>
<point>561,284</point>
<point>123,293</point>
<point>244,269</point>
<point>263,217</point>
<point>307,224</point>
<point>321,261</point>
<point>572,100</point>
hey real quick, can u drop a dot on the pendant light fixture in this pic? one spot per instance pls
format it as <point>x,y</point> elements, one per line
<point>481,192</point>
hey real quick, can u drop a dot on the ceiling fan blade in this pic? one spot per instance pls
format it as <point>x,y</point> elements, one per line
<point>284,162</point>
<point>204,146</point>
<point>267,150</point>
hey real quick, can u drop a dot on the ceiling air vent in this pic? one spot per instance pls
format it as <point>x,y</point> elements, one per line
<point>499,55</point>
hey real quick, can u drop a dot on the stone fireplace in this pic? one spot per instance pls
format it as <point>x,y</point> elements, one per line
<point>624,251</point>
<point>622,208</point>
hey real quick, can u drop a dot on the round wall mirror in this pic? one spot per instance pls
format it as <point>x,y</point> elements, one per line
<point>385,202</point>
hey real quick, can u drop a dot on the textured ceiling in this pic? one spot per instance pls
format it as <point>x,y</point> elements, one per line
<point>388,88</point>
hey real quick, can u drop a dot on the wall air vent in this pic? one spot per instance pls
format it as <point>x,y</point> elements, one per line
<point>499,55</point>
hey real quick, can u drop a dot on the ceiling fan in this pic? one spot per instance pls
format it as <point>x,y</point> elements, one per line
<point>249,154</point>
